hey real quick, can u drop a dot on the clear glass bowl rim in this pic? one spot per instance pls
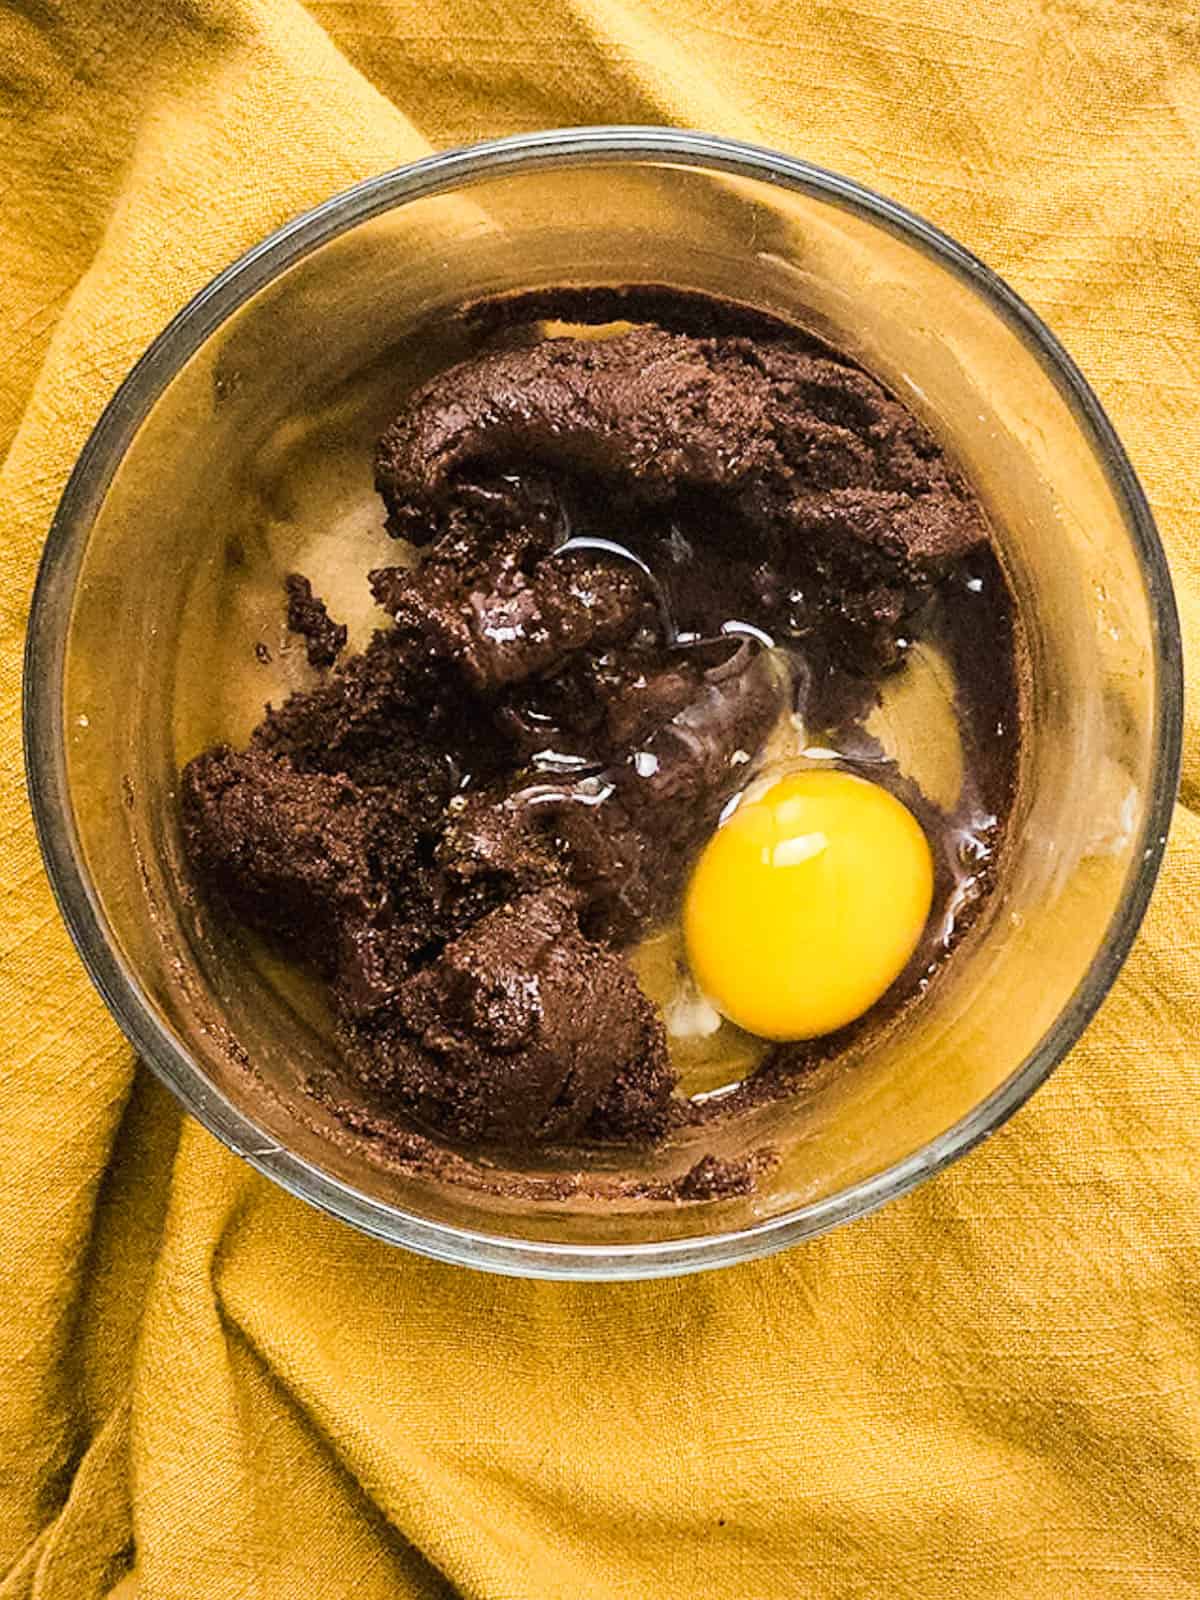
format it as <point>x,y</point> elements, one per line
<point>45,735</point>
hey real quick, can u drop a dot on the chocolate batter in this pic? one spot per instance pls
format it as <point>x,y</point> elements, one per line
<point>307,616</point>
<point>637,553</point>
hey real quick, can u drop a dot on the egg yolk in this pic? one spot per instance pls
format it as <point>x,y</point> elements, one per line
<point>807,903</point>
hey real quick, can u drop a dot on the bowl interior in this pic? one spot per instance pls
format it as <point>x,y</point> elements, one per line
<point>255,459</point>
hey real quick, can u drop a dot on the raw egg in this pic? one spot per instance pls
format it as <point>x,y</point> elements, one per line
<point>807,903</point>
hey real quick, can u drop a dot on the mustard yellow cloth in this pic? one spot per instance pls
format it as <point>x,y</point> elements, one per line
<point>990,1389</point>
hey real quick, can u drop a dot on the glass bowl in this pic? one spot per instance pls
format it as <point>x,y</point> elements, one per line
<point>240,447</point>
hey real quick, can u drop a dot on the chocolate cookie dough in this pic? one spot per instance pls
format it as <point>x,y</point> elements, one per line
<point>307,616</point>
<point>638,553</point>
<point>779,462</point>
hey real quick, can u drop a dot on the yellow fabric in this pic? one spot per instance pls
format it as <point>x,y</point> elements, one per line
<point>990,1389</point>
